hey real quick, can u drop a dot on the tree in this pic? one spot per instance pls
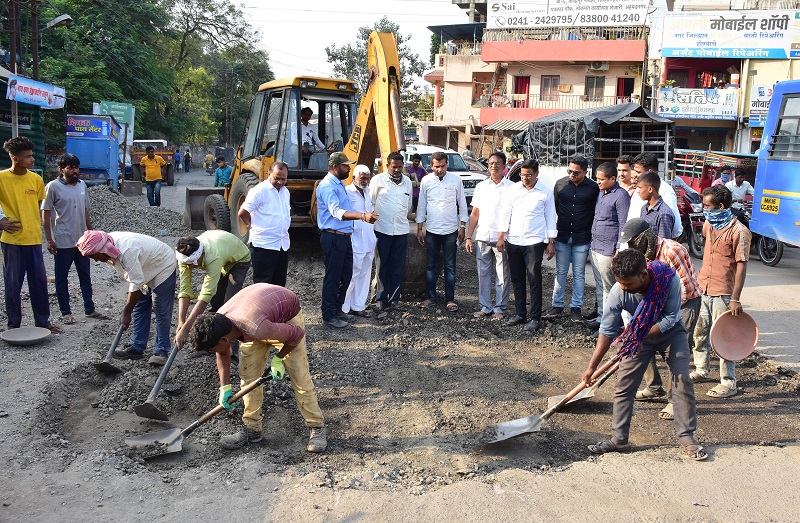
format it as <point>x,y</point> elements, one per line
<point>350,61</point>
<point>436,45</point>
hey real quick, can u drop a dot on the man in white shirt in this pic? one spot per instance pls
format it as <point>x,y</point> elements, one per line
<point>649,162</point>
<point>492,264</point>
<point>148,265</point>
<point>266,211</point>
<point>363,239</point>
<point>391,194</point>
<point>526,229</point>
<point>739,188</point>
<point>443,209</point>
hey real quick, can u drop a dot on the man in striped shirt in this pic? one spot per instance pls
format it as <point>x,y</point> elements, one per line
<point>638,234</point>
<point>262,316</point>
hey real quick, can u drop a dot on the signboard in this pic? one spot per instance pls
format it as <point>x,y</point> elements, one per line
<point>566,13</point>
<point>698,104</point>
<point>27,91</point>
<point>88,127</point>
<point>122,113</point>
<point>23,119</point>
<point>760,95</point>
<point>732,34</point>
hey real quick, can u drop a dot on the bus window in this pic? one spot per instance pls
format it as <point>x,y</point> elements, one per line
<point>786,140</point>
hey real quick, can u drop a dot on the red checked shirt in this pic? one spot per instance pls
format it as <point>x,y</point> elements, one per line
<point>261,311</point>
<point>676,256</point>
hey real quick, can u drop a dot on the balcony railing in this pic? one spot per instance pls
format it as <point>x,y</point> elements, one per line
<point>566,33</point>
<point>461,48</point>
<point>555,101</point>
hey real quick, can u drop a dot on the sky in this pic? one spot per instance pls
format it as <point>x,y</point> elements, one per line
<point>297,33</point>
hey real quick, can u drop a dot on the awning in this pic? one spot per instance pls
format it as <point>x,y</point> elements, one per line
<point>459,32</point>
<point>507,125</point>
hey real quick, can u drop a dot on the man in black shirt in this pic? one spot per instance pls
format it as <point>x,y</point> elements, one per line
<point>575,196</point>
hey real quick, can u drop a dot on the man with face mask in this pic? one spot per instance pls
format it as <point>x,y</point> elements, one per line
<point>724,176</point>
<point>65,216</point>
<point>334,219</point>
<point>721,278</point>
<point>355,300</point>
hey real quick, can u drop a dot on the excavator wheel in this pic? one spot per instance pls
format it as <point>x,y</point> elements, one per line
<point>244,182</point>
<point>216,214</point>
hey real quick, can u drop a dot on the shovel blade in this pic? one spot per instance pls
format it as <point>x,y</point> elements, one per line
<point>510,429</point>
<point>148,410</point>
<point>157,443</point>
<point>107,368</point>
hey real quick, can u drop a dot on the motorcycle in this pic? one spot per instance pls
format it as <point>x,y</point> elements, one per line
<point>691,210</point>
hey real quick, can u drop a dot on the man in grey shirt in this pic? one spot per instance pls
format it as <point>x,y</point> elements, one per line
<point>638,283</point>
<point>65,216</point>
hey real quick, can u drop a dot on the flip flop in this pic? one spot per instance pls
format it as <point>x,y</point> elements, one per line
<point>699,377</point>
<point>497,316</point>
<point>479,314</point>
<point>97,316</point>
<point>667,413</point>
<point>68,319</point>
<point>722,391</point>
<point>605,447</point>
<point>452,306</point>
<point>649,394</point>
<point>55,329</point>
<point>425,304</point>
<point>695,451</point>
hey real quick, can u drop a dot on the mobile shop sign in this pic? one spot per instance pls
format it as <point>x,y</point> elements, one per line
<point>732,34</point>
<point>760,96</point>
<point>86,127</point>
<point>564,13</point>
<point>698,104</point>
<point>27,91</point>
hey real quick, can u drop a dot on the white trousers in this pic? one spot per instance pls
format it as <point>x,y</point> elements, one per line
<point>357,292</point>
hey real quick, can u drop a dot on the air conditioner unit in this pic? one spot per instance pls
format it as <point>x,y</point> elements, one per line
<point>598,66</point>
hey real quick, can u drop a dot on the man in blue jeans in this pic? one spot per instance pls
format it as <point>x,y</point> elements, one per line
<point>148,265</point>
<point>576,197</point>
<point>153,167</point>
<point>334,219</point>
<point>443,209</point>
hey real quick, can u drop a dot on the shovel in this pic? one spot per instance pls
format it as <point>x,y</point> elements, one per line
<point>148,409</point>
<point>586,393</point>
<point>171,440</point>
<point>509,429</point>
<point>105,365</point>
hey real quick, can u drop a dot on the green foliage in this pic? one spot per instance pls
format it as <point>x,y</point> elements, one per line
<point>436,44</point>
<point>350,61</point>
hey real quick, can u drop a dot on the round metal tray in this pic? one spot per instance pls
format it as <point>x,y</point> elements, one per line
<point>25,335</point>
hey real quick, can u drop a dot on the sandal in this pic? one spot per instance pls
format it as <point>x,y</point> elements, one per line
<point>649,394</point>
<point>452,306</point>
<point>425,304</point>
<point>497,316</point>
<point>695,451</point>
<point>699,377</point>
<point>361,314</point>
<point>604,447</point>
<point>479,314</point>
<point>68,319</point>
<point>667,413</point>
<point>97,315</point>
<point>722,391</point>
<point>55,329</point>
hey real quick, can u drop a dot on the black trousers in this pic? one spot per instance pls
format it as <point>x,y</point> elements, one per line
<point>269,265</point>
<point>525,262</point>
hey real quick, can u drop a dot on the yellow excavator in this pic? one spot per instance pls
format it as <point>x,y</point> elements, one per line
<point>273,133</point>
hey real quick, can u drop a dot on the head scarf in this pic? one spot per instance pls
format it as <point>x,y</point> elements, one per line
<point>718,218</point>
<point>192,258</point>
<point>97,242</point>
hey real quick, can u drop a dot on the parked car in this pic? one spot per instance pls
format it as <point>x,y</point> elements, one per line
<point>455,164</point>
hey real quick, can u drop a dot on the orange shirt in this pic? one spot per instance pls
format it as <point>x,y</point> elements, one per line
<point>723,250</point>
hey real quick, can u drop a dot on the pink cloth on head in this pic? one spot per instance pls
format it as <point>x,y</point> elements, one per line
<point>94,242</point>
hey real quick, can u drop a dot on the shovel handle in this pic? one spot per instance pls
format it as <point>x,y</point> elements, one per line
<point>219,409</point>
<point>114,344</point>
<point>613,362</point>
<point>163,375</point>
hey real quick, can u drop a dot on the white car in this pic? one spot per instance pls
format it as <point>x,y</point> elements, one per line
<point>455,164</point>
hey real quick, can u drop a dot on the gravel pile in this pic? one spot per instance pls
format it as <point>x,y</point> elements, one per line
<point>114,212</point>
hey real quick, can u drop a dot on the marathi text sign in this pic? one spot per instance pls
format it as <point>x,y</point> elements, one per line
<point>23,120</point>
<point>27,91</point>
<point>732,34</point>
<point>87,127</point>
<point>760,96</point>
<point>122,112</point>
<point>698,104</point>
<point>566,13</point>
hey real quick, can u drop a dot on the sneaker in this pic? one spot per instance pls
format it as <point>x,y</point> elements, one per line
<point>593,325</point>
<point>240,439</point>
<point>318,440</point>
<point>380,306</point>
<point>157,360</point>
<point>592,315</point>
<point>128,353</point>
<point>349,318</point>
<point>336,323</point>
<point>575,315</point>
<point>553,313</point>
<point>516,320</point>
<point>531,326</point>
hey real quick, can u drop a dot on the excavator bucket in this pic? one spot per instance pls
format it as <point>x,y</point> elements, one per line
<point>194,216</point>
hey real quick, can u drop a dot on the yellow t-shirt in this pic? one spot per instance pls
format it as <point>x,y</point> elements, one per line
<point>20,197</point>
<point>152,168</point>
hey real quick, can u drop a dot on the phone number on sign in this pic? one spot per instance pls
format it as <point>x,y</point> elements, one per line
<point>618,18</point>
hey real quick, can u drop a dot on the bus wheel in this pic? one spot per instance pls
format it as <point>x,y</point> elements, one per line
<point>770,251</point>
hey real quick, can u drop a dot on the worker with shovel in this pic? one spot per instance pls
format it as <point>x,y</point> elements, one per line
<point>262,316</point>
<point>651,293</point>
